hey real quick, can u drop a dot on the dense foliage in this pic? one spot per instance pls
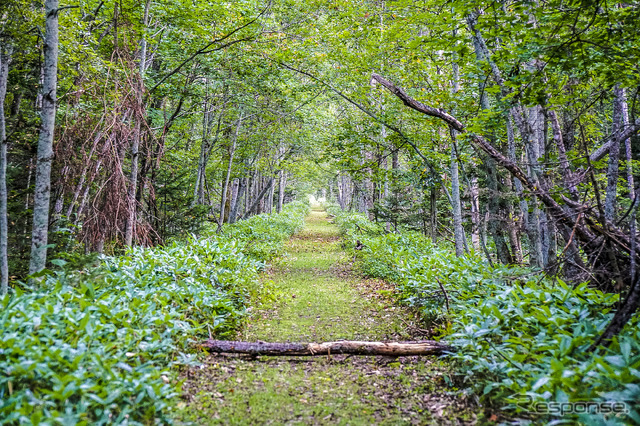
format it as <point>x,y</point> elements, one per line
<point>97,346</point>
<point>521,338</point>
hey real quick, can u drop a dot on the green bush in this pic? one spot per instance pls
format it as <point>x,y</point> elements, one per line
<point>521,337</point>
<point>97,347</point>
<point>263,236</point>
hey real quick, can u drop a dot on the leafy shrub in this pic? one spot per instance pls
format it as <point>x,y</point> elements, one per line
<point>263,236</point>
<point>520,337</point>
<point>97,346</point>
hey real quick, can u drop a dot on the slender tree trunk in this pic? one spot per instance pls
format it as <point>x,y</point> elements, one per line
<point>619,104</point>
<point>130,228</point>
<point>367,187</point>
<point>523,204</point>
<point>475,214</point>
<point>40,230</point>
<point>5,59</point>
<point>458,232</point>
<point>143,40</point>
<point>281,188</point>
<point>198,191</point>
<point>269,200</point>
<point>133,185</point>
<point>225,186</point>
<point>456,202</point>
<point>83,177</point>
<point>346,195</point>
<point>494,220</point>
<point>434,214</point>
<point>248,193</point>
<point>538,254</point>
<point>242,186</point>
<point>233,198</point>
<point>260,200</point>
<point>85,195</point>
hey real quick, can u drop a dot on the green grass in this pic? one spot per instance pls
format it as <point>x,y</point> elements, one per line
<point>320,299</point>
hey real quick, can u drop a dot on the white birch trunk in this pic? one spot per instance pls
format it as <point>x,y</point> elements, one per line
<point>42,195</point>
<point>458,231</point>
<point>281,188</point>
<point>133,185</point>
<point>614,155</point>
<point>5,58</point>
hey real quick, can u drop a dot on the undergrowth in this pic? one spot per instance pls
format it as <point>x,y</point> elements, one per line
<point>97,346</point>
<point>521,338</point>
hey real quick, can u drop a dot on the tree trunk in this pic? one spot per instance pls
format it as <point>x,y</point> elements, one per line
<point>523,204</point>
<point>233,198</point>
<point>282,184</point>
<point>619,105</point>
<point>143,40</point>
<point>242,186</point>
<point>225,186</point>
<point>475,214</point>
<point>259,198</point>
<point>434,214</point>
<point>494,225</point>
<point>133,185</point>
<point>5,59</point>
<point>198,190</point>
<point>426,347</point>
<point>458,231</point>
<point>40,230</point>
<point>269,199</point>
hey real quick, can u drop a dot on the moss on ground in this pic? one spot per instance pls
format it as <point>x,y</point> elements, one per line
<point>320,299</point>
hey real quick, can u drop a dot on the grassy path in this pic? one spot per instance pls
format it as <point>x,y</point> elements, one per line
<point>320,299</point>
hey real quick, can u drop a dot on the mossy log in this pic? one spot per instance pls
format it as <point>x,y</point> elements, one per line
<point>424,347</point>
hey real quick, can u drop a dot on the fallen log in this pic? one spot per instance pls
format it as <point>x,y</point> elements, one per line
<point>424,347</point>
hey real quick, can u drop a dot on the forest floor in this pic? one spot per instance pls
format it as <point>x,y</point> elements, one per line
<point>320,299</point>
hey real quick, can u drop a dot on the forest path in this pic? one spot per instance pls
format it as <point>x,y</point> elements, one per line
<point>321,299</point>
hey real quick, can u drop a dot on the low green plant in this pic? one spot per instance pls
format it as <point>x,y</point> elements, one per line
<point>521,338</point>
<point>97,346</point>
<point>263,236</point>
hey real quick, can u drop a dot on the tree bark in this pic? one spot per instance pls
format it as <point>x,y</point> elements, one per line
<point>282,184</point>
<point>242,186</point>
<point>426,347</point>
<point>259,198</point>
<point>433,214</point>
<point>40,230</point>
<point>614,154</point>
<point>5,59</point>
<point>225,187</point>
<point>133,185</point>
<point>494,224</point>
<point>458,231</point>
